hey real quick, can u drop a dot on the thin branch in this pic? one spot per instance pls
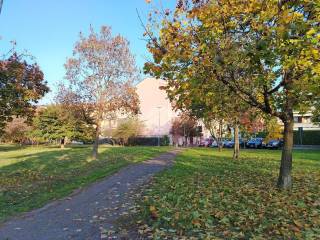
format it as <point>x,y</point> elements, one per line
<point>276,88</point>
<point>1,3</point>
<point>149,34</point>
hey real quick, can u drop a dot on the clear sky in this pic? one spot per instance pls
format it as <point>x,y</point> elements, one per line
<point>48,29</point>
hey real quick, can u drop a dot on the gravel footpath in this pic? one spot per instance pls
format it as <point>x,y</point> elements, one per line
<point>90,213</point>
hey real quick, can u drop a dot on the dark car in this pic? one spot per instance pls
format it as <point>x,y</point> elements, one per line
<point>225,142</point>
<point>206,143</point>
<point>255,143</point>
<point>230,143</point>
<point>274,144</point>
<point>214,144</point>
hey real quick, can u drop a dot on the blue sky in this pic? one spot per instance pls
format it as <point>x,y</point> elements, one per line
<point>48,29</point>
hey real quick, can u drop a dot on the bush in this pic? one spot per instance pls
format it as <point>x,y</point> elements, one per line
<point>128,128</point>
<point>165,140</point>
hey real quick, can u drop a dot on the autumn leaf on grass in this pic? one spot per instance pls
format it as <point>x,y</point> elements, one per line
<point>154,213</point>
<point>196,222</point>
<point>298,224</point>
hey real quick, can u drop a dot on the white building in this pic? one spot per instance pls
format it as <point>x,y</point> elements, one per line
<point>305,121</point>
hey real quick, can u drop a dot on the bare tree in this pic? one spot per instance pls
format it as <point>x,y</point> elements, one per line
<point>1,3</point>
<point>101,74</point>
<point>186,126</point>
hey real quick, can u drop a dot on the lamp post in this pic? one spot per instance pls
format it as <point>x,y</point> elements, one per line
<point>159,126</point>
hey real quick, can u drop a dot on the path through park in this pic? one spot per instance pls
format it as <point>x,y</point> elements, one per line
<point>91,213</point>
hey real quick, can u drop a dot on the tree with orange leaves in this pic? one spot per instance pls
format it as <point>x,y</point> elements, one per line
<point>100,75</point>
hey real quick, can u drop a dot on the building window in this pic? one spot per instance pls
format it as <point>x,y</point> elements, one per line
<point>297,119</point>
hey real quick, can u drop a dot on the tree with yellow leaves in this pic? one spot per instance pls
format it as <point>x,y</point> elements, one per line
<point>265,52</point>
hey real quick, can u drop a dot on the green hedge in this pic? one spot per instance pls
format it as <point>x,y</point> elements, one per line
<point>308,137</point>
<point>148,141</point>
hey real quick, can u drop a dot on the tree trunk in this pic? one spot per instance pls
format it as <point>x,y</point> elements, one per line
<point>220,146</point>
<point>284,180</point>
<point>236,149</point>
<point>62,142</point>
<point>96,142</point>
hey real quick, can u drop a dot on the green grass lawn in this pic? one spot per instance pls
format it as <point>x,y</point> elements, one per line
<point>32,176</point>
<point>207,195</point>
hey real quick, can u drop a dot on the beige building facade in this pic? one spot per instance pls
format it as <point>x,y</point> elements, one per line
<point>156,110</point>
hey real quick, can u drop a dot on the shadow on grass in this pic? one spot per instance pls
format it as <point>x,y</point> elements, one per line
<point>207,195</point>
<point>11,147</point>
<point>54,173</point>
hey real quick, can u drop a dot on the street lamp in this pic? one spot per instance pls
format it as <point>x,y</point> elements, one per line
<point>159,125</point>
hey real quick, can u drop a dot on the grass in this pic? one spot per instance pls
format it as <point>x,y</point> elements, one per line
<point>32,176</point>
<point>207,195</point>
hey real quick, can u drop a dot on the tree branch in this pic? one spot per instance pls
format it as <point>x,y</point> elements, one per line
<point>276,88</point>
<point>1,3</point>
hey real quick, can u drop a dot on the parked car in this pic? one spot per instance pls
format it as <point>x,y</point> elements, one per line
<point>206,143</point>
<point>274,144</point>
<point>77,142</point>
<point>255,143</point>
<point>224,142</point>
<point>230,144</point>
<point>214,144</point>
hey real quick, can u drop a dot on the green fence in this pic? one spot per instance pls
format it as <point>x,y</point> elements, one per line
<point>306,138</point>
<point>149,141</point>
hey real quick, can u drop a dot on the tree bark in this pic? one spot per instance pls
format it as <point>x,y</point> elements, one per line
<point>62,142</point>
<point>1,3</point>
<point>284,180</point>
<point>96,142</point>
<point>220,146</point>
<point>236,148</point>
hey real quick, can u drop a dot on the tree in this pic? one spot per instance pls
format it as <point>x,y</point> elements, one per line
<point>101,75</point>
<point>213,104</point>
<point>253,122</point>
<point>127,128</point>
<point>185,126</point>
<point>54,123</point>
<point>16,131</point>
<point>215,127</point>
<point>274,130</point>
<point>21,86</point>
<point>75,110</point>
<point>1,3</point>
<point>265,52</point>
